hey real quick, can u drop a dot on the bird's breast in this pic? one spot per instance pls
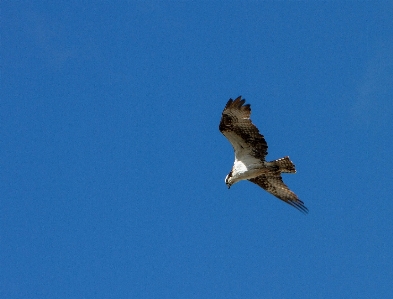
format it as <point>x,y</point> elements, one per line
<point>248,168</point>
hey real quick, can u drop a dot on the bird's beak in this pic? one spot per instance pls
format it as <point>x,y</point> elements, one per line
<point>229,186</point>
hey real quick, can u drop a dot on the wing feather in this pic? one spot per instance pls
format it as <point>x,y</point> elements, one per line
<point>273,184</point>
<point>237,127</point>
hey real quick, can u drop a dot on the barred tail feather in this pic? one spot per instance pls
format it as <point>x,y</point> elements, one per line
<point>285,165</point>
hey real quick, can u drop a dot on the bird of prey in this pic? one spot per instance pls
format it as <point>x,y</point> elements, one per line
<point>250,151</point>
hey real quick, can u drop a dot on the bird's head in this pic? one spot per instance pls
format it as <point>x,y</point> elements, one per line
<point>228,179</point>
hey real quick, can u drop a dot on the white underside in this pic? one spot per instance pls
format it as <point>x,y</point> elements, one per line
<point>247,168</point>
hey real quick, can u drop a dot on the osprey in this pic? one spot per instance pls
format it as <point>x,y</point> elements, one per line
<point>250,151</point>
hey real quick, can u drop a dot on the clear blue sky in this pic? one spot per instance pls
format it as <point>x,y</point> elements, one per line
<point>112,165</point>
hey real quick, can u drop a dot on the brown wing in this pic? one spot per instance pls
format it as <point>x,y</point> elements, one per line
<point>273,184</point>
<point>237,127</point>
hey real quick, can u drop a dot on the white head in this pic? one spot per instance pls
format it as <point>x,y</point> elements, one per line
<point>228,179</point>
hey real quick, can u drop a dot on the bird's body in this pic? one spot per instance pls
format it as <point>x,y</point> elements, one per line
<point>250,151</point>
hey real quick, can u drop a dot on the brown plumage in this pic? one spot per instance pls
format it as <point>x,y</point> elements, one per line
<point>250,151</point>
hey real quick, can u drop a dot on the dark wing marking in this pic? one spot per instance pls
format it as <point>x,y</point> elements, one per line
<point>273,184</point>
<point>237,127</point>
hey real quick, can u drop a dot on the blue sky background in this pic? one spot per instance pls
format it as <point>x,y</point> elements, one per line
<point>113,167</point>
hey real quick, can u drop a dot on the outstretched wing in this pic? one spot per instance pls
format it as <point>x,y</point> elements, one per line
<point>237,127</point>
<point>273,184</point>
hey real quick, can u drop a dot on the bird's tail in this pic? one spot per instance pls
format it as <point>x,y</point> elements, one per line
<point>285,165</point>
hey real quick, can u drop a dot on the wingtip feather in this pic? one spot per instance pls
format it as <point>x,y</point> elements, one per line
<point>299,205</point>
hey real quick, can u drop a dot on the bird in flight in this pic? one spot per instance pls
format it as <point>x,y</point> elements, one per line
<point>250,151</point>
